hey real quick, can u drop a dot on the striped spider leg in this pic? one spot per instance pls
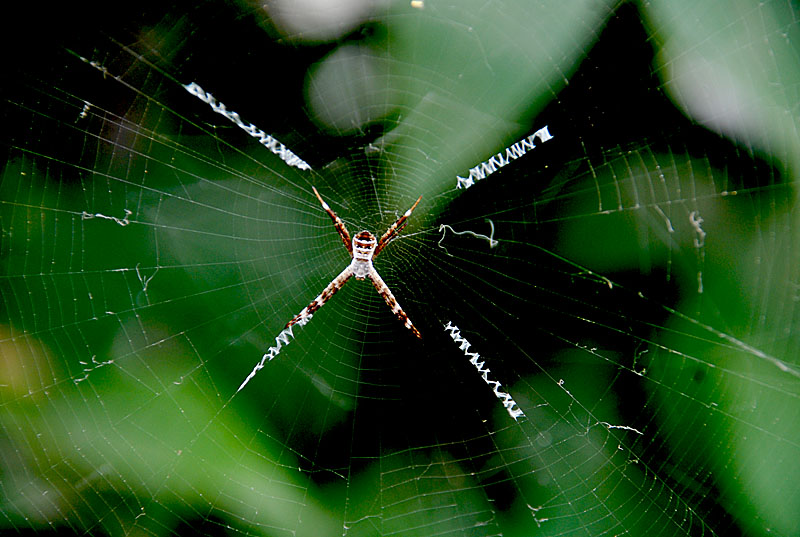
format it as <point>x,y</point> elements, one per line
<point>362,248</point>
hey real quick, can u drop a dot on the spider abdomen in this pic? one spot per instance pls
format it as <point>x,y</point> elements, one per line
<point>363,249</point>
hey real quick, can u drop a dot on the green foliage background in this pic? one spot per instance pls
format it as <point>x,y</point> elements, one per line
<point>658,366</point>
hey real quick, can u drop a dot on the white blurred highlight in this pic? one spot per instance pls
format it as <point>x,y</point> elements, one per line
<point>344,91</point>
<point>317,20</point>
<point>711,95</point>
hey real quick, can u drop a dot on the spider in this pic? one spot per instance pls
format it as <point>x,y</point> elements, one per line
<point>363,248</point>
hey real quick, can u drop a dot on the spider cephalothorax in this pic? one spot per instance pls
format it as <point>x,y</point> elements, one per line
<point>363,249</point>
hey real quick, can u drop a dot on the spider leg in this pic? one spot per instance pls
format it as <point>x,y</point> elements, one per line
<point>323,297</point>
<point>391,301</point>
<point>394,229</point>
<point>340,228</point>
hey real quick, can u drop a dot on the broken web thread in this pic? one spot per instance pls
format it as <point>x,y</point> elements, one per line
<point>121,221</point>
<point>444,227</point>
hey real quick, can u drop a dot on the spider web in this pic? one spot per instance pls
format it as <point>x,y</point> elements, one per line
<point>630,283</point>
